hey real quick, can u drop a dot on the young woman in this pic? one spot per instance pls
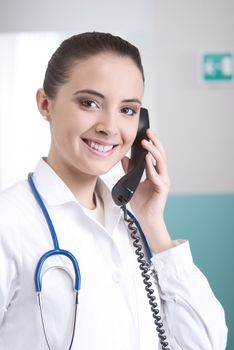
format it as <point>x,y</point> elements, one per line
<point>91,98</point>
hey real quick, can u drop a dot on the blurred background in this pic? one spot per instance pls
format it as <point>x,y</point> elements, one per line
<point>187,49</point>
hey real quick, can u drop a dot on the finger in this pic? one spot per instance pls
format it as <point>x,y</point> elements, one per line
<point>157,179</point>
<point>156,142</point>
<point>151,174</point>
<point>158,164</point>
<point>161,166</point>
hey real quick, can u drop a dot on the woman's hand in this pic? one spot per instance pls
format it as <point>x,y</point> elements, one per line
<point>149,200</point>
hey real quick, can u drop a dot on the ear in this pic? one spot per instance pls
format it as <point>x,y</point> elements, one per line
<point>43,104</point>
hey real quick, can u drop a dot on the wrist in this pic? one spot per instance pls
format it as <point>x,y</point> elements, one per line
<point>158,237</point>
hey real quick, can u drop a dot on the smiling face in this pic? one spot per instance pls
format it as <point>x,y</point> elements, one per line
<point>94,115</point>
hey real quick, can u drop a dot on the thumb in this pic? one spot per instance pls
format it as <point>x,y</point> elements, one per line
<point>125,164</point>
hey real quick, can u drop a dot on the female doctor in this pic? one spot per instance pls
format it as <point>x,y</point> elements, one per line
<point>91,98</point>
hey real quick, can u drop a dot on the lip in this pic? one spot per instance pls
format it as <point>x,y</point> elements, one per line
<point>102,143</point>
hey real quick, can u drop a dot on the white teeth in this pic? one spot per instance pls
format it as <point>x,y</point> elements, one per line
<point>107,148</point>
<point>100,148</point>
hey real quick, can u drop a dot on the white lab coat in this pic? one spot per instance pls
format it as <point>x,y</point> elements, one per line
<point>113,311</point>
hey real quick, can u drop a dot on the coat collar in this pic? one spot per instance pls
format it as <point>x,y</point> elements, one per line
<point>55,192</point>
<point>50,186</point>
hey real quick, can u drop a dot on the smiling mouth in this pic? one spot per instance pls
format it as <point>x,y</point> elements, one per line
<point>98,146</point>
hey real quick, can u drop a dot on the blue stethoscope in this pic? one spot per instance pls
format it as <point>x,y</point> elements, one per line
<point>58,251</point>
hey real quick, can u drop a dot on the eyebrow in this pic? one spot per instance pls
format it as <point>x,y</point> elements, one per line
<point>96,93</point>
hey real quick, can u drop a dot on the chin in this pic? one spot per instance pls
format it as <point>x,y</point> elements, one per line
<point>96,171</point>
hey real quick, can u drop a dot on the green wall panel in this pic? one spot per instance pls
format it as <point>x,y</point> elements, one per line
<point>207,221</point>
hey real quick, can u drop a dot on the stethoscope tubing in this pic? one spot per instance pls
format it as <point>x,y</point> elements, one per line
<point>56,250</point>
<point>53,252</point>
<point>44,211</point>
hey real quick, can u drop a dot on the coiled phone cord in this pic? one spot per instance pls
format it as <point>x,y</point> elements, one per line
<point>145,268</point>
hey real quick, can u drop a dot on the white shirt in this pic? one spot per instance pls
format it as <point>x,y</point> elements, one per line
<point>98,212</point>
<point>113,311</point>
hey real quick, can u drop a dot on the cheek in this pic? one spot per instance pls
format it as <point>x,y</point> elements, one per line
<point>69,127</point>
<point>130,135</point>
<point>63,134</point>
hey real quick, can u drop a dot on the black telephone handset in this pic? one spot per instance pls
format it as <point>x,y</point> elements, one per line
<point>124,189</point>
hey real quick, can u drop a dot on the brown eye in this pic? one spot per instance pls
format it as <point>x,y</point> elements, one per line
<point>89,104</point>
<point>128,111</point>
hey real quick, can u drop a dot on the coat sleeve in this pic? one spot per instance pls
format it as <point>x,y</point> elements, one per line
<point>192,316</point>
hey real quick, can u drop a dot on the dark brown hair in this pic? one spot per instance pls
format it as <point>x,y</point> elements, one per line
<point>82,46</point>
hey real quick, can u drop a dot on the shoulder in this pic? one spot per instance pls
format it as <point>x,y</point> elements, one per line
<point>14,200</point>
<point>14,194</point>
<point>11,205</point>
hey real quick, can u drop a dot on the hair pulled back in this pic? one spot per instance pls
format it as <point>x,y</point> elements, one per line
<point>82,46</point>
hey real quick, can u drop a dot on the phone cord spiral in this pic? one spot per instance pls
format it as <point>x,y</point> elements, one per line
<point>145,268</point>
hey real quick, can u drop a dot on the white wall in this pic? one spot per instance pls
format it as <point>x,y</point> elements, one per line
<point>194,121</point>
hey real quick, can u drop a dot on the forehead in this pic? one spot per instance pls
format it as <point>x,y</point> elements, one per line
<point>106,71</point>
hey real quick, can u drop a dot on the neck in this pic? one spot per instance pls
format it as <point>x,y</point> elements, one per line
<point>80,184</point>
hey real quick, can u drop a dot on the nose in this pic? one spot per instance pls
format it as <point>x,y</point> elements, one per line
<point>107,124</point>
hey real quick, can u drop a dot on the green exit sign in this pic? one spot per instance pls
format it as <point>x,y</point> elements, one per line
<point>217,66</point>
